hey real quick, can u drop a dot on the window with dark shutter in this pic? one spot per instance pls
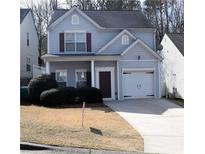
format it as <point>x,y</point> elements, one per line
<point>88,40</point>
<point>61,42</point>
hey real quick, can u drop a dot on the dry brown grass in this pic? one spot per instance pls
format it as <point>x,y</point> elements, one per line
<point>62,127</point>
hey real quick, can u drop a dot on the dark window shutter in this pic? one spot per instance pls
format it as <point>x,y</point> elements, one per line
<point>88,76</point>
<point>61,42</point>
<point>88,40</point>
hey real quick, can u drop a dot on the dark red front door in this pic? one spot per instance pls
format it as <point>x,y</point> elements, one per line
<point>105,84</point>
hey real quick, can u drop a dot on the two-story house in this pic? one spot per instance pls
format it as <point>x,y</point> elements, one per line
<point>28,45</point>
<point>114,51</point>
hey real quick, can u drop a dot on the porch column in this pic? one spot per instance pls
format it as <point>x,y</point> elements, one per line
<point>118,80</point>
<point>92,73</point>
<point>47,67</point>
<point>159,77</point>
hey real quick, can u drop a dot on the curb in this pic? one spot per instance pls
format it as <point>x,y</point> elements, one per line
<point>70,150</point>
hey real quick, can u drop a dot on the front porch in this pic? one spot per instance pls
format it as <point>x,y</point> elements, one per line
<point>93,72</point>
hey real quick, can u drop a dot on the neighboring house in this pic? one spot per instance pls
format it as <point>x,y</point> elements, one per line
<point>28,44</point>
<point>172,66</point>
<point>111,50</point>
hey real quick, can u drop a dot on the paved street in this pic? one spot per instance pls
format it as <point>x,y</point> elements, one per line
<point>30,148</point>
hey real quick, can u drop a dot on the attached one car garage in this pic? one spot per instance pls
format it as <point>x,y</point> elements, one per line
<point>138,83</point>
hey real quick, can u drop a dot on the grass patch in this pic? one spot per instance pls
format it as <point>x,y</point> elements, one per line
<point>103,128</point>
<point>178,101</point>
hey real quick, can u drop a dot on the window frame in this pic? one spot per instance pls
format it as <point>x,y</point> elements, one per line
<point>75,41</point>
<point>27,39</point>
<point>28,67</point>
<point>61,70</point>
<point>125,40</point>
<point>76,76</point>
<point>28,64</point>
<point>73,19</point>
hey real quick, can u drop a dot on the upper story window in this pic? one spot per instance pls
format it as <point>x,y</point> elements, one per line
<point>125,40</point>
<point>75,19</point>
<point>27,38</point>
<point>75,41</point>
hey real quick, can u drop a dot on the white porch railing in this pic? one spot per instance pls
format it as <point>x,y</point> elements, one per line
<point>38,70</point>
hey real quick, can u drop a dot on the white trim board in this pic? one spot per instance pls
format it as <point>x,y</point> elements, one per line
<point>142,43</point>
<point>115,38</point>
<point>139,60</point>
<point>138,69</point>
<point>112,70</point>
<point>51,58</point>
<point>118,80</point>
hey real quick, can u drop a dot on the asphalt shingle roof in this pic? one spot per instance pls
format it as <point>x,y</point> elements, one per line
<point>112,19</point>
<point>23,13</point>
<point>178,40</point>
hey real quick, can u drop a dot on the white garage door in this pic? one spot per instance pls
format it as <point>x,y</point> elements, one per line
<point>138,84</point>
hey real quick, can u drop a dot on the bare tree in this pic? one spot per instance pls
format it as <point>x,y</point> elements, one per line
<point>166,10</point>
<point>166,15</point>
<point>177,16</point>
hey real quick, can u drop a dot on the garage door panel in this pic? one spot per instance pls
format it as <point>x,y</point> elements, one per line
<point>138,84</point>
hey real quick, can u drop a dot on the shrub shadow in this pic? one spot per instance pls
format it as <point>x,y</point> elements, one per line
<point>31,147</point>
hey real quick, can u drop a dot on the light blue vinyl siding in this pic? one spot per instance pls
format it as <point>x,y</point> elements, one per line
<point>117,47</point>
<point>146,36</point>
<point>138,50</point>
<point>70,67</point>
<point>99,37</point>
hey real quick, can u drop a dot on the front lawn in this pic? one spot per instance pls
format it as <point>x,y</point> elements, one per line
<point>103,128</point>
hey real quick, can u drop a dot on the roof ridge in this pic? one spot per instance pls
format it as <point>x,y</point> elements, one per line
<point>174,33</point>
<point>114,10</point>
<point>101,10</point>
<point>60,9</point>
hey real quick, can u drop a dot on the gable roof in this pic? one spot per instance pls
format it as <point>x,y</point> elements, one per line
<point>144,45</point>
<point>111,19</point>
<point>178,40</point>
<point>115,38</point>
<point>23,13</point>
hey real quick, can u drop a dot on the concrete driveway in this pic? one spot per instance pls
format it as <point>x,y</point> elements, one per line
<point>159,122</point>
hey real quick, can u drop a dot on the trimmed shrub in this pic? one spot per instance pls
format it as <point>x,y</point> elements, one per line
<point>52,97</point>
<point>70,94</point>
<point>90,95</point>
<point>56,97</point>
<point>24,94</point>
<point>38,85</point>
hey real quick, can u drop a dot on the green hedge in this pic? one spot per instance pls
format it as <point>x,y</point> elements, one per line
<point>38,85</point>
<point>24,94</point>
<point>90,95</point>
<point>58,97</point>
